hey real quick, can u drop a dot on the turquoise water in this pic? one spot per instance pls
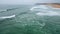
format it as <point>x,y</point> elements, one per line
<point>27,22</point>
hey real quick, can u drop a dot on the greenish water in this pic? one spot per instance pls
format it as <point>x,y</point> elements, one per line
<point>27,22</point>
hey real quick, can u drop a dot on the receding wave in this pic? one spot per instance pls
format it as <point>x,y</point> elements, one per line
<point>12,16</point>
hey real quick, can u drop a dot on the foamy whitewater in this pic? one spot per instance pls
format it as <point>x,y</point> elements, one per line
<point>12,16</point>
<point>44,12</point>
<point>48,14</point>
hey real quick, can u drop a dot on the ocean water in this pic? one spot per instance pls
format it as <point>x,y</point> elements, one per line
<point>18,19</point>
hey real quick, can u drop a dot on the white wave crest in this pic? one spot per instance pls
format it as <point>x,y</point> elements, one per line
<point>7,17</point>
<point>50,13</point>
<point>38,7</point>
<point>33,8</point>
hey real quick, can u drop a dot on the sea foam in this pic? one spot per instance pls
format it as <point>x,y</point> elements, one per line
<point>50,13</point>
<point>7,17</point>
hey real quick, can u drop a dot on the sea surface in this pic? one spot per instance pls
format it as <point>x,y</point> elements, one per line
<point>18,19</point>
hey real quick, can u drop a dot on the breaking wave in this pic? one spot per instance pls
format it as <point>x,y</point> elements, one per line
<point>32,8</point>
<point>42,10</point>
<point>5,17</point>
<point>50,13</point>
